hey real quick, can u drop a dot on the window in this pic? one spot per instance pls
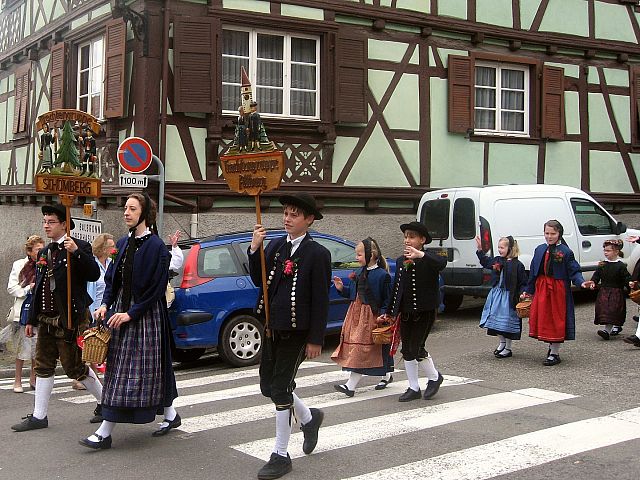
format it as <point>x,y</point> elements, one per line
<point>435,215</point>
<point>501,99</point>
<point>464,219</point>
<point>591,219</point>
<point>342,255</point>
<point>283,69</point>
<point>90,77</point>
<point>216,262</point>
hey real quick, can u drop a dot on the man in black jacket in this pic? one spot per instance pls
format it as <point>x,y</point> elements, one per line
<point>49,313</point>
<point>415,298</point>
<point>298,280</point>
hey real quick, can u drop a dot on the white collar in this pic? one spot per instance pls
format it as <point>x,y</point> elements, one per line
<point>146,232</point>
<point>297,241</point>
<point>372,267</point>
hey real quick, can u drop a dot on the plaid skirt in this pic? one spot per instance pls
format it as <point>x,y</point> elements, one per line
<point>139,380</point>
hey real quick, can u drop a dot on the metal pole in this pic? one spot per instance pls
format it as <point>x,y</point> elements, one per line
<point>160,178</point>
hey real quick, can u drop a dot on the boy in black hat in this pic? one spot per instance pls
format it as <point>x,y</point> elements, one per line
<point>49,313</point>
<point>415,298</point>
<point>298,281</point>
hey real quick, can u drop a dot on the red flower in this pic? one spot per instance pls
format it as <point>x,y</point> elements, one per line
<point>114,253</point>
<point>42,261</point>
<point>352,276</point>
<point>407,264</point>
<point>558,257</point>
<point>290,267</point>
<point>497,266</point>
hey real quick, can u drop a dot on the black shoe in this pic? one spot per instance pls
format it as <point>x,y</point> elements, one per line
<point>97,415</point>
<point>345,390</point>
<point>409,395</point>
<point>551,360</point>
<point>432,387</point>
<point>506,353</point>
<point>616,330</point>
<point>382,384</point>
<point>176,422</point>
<point>310,430</point>
<point>497,351</point>
<point>632,339</point>
<point>101,444</point>
<point>603,334</point>
<point>276,467</point>
<point>30,423</point>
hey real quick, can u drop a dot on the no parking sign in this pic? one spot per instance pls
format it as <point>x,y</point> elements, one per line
<point>135,155</point>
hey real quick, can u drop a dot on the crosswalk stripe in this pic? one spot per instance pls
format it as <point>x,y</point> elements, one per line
<point>260,412</point>
<point>385,426</point>
<point>522,451</point>
<point>7,384</point>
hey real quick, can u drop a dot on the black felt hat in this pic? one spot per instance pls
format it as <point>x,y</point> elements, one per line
<point>417,227</point>
<point>304,201</point>
<point>59,211</point>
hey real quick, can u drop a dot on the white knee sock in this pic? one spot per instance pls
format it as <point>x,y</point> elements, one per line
<point>608,327</point>
<point>303,414</point>
<point>93,385</point>
<point>104,430</point>
<point>554,348</point>
<point>411,367</point>
<point>283,431</point>
<point>429,368</point>
<point>170,413</point>
<point>638,330</point>
<point>354,378</point>
<point>502,343</point>
<point>44,387</point>
<point>507,343</point>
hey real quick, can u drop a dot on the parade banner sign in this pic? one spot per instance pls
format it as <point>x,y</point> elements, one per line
<point>68,185</point>
<point>253,173</point>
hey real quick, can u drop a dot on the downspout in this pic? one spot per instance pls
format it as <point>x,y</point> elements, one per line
<point>165,81</point>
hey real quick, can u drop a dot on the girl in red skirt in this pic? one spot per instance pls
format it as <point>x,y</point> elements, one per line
<point>613,277</point>
<point>553,268</point>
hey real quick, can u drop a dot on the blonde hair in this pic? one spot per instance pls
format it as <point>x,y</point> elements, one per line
<point>32,241</point>
<point>99,245</point>
<point>514,250</point>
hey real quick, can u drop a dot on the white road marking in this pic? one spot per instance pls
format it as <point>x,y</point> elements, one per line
<point>385,426</point>
<point>523,451</point>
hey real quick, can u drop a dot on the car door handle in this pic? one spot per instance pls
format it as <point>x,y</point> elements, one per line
<point>586,244</point>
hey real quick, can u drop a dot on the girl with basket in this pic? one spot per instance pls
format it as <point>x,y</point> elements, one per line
<point>369,293</point>
<point>139,382</point>
<point>553,268</point>
<point>508,279</point>
<point>613,277</point>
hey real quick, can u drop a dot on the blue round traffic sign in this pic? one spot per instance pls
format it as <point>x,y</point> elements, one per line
<point>135,155</point>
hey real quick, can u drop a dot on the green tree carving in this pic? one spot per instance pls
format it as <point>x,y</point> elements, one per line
<point>67,152</point>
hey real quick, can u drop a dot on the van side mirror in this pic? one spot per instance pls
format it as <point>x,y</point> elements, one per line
<point>620,228</point>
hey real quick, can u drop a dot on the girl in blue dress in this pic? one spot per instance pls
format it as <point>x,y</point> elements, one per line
<point>508,279</point>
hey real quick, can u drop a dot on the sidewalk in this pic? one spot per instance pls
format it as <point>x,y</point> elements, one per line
<point>8,366</point>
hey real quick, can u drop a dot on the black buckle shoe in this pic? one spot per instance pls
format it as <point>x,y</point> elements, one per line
<point>633,340</point>
<point>276,467</point>
<point>382,384</point>
<point>616,330</point>
<point>344,389</point>
<point>433,386</point>
<point>310,430</point>
<point>30,423</point>
<point>97,415</point>
<point>552,359</point>
<point>603,334</point>
<point>101,444</point>
<point>409,395</point>
<point>176,422</point>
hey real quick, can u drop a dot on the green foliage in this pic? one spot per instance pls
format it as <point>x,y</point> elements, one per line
<point>67,152</point>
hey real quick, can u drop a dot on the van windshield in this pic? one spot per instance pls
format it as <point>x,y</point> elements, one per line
<point>435,215</point>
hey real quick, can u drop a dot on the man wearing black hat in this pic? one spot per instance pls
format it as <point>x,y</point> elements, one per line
<point>49,313</point>
<point>298,281</point>
<point>415,298</point>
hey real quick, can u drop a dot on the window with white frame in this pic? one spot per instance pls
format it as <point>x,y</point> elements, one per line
<point>501,99</point>
<point>90,77</point>
<point>284,71</point>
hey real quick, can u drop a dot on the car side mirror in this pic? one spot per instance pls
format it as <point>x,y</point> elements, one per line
<point>620,228</point>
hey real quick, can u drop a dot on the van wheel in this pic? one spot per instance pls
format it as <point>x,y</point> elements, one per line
<point>186,355</point>
<point>241,341</point>
<point>452,302</point>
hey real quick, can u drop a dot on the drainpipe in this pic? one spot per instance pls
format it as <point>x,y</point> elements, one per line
<point>193,226</point>
<point>165,81</point>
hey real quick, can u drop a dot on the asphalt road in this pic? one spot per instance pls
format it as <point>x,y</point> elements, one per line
<point>511,418</point>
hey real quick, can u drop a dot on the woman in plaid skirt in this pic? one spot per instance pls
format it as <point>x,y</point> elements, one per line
<point>139,382</point>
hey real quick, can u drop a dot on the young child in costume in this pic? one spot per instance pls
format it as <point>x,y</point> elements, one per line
<point>415,297</point>
<point>508,279</point>
<point>369,293</point>
<point>613,277</point>
<point>553,268</point>
<point>633,284</point>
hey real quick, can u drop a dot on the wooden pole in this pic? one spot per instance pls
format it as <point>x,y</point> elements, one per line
<point>263,265</point>
<point>67,201</point>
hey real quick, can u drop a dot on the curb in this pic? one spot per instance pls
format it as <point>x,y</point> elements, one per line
<point>9,372</point>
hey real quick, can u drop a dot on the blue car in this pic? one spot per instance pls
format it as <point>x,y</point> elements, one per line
<point>215,297</point>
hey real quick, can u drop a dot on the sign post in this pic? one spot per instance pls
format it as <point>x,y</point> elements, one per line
<point>135,156</point>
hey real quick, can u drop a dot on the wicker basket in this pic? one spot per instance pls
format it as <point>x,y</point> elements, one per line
<point>635,296</point>
<point>523,308</point>
<point>383,334</point>
<point>96,343</point>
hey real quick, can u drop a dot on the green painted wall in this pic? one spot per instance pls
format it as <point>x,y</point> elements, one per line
<point>512,163</point>
<point>612,23</point>
<point>177,167</point>
<point>5,160</point>
<point>528,10</point>
<point>562,164</point>
<point>421,6</point>
<point>343,148</point>
<point>607,174</point>
<point>566,16</point>
<point>301,12</point>
<point>198,137</point>
<point>497,12</point>
<point>453,8</point>
<point>257,6</point>
<point>3,122</point>
<point>572,112</point>
<point>599,125</point>
<point>402,110</point>
<point>618,77</point>
<point>621,111</point>
<point>389,51</point>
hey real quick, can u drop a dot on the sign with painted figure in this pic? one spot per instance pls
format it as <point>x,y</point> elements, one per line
<point>135,155</point>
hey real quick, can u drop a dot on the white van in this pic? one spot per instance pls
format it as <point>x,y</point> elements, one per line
<point>455,216</point>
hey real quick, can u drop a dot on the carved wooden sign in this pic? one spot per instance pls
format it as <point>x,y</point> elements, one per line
<point>63,115</point>
<point>68,185</point>
<point>253,173</point>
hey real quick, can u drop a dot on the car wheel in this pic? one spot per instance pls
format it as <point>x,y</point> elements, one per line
<point>452,302</point>
<point>241,341</point>
<point>185,355</point>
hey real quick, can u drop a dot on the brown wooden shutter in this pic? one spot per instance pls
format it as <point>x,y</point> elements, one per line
<point>635,105</point>
<point>195,76</point>
<point>21,98</point>
<point>351,79</point>
<point>115,49</point>
<point>58,57</point>
<point>461,93</point>
<point>553,103</point>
